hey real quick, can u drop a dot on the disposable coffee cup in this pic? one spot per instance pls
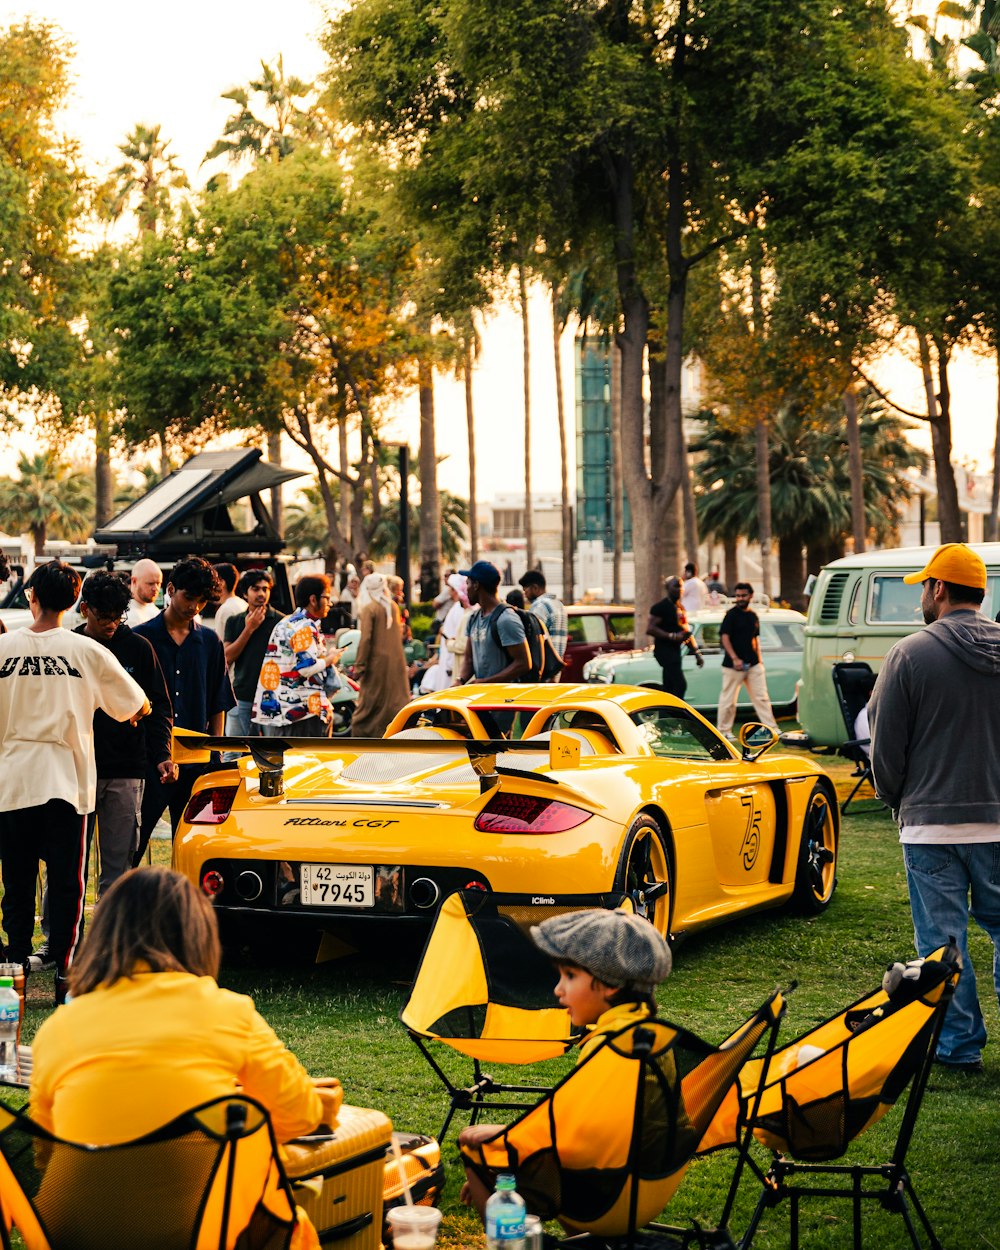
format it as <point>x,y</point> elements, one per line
<point>414,1228</point>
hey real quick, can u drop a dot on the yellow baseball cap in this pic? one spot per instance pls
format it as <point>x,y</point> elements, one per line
<point>954,562</point>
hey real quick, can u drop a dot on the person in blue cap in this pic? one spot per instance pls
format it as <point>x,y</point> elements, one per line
<point>484,660</point>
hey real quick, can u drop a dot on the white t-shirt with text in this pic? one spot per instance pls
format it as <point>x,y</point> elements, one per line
<point>51,684</point>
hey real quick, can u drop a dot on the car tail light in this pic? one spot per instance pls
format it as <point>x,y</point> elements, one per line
<point>213,883</point>
<point>523,813</point>
<point>211,806</point>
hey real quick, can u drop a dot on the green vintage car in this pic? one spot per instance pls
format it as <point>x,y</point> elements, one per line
<point>781,639</point>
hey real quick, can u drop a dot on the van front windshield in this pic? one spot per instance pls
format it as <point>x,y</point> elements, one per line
<point>893,602</point>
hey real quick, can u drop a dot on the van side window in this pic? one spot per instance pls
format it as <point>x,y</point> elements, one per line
<point>854,611</point>
<point>892,602</point>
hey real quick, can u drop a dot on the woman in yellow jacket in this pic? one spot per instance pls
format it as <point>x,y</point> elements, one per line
<point>149,1034</point>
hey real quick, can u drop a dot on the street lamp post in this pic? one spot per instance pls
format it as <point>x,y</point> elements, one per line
<point>403,554</point>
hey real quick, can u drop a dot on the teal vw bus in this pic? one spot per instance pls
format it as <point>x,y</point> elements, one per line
<point>860,606</point>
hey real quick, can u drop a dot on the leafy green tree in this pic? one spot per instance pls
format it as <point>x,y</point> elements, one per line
<point>277,302</point>
<point>648,135</point>
<point>48,498</point>
<point>41,204</point>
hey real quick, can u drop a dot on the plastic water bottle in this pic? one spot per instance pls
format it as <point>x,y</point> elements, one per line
<point>10,1019</point>
<point>505,1212</point>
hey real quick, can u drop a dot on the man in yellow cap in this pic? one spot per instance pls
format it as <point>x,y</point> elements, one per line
<point>935,752</point>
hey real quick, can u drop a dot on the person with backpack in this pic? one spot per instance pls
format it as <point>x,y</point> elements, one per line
<point>547,608</point>
<point>497,654</point>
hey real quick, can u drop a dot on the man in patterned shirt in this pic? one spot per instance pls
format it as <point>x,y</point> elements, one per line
<point>290,698</point>
<point>547,608</point>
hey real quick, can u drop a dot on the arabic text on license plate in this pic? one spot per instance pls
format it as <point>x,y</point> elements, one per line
<point>338,885</point>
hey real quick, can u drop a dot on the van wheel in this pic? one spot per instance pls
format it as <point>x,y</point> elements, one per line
<point>816,873</point>
<point>644,874</point>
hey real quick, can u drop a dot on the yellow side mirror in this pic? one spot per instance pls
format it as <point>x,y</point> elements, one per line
<point>755,739</point>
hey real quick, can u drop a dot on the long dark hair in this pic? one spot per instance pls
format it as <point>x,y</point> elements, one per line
<point>152,916</point>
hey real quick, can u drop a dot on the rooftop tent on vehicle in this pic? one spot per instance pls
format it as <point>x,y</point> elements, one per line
<point>190,513</point>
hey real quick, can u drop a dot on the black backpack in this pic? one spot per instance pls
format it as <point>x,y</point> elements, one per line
<point>545,662</point>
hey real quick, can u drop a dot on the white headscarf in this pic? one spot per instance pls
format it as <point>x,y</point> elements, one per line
<point>375,588</point>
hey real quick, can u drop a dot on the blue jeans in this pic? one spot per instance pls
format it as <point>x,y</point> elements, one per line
<point>238,723</point>
<point>940,877</point>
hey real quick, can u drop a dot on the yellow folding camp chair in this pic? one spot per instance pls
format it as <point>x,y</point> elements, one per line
<point>827,1087</point>
<point>483,990</point>
<point>209,1180</point>
<point>606,1149</point>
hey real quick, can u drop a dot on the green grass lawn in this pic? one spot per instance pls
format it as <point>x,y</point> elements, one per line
<point>340,1018</point>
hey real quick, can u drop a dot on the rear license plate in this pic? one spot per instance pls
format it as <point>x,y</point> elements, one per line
<point>337,885</point>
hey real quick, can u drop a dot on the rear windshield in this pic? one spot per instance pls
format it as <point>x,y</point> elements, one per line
<point>590,628</point>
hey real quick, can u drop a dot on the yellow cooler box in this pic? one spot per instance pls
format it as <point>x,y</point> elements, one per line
<point>339,1183</point>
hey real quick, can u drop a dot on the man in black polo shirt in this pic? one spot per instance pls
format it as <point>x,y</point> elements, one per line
<point>246,642</point>
<point>740,637</point>
<point>125,752</point>
<point>194,664</point>
<point>668,627</point>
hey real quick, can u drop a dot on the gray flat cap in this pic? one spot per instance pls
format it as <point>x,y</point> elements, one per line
<point>619,948</point>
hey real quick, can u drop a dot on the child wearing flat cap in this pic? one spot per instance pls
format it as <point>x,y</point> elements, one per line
<point>609,963</point>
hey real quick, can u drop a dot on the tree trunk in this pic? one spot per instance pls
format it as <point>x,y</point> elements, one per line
<point>730,563</point>
<point>673,537</point>
<point>40,535</point>
<point>103,481</point>
<point>277,502</point>
<point>345,493</point>
<point>823,552</point>
<point>763,470</point>
<point>471,426</point>
<point>690,515</point>
<point>615,474</point>
<point>993,530</point>
<point>567,514</point>
<point>939,417</point>
<point>164,457</point>
<point>859,526</point>
<point>430,503</point>
<point>529,528</point>
<point>791,570</point>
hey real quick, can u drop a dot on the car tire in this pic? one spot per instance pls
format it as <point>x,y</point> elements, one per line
<point>644,863</point>
<point>816,869</point>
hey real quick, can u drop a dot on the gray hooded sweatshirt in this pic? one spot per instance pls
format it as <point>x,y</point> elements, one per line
<point>935,723</point>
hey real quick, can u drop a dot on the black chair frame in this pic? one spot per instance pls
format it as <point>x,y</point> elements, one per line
<point>788,1180</point>
<point>483,1093</point>
<point>846,677</point>
<point>660,1236</point>
<point>235,1130</point>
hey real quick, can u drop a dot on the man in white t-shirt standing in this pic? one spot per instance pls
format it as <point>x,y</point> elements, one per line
<point>146,582</point>
<point>694,592</point>
<point>52,682</point>
<point>229,603</point>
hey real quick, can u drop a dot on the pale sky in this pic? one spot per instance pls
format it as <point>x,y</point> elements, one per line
<point>139,62</point>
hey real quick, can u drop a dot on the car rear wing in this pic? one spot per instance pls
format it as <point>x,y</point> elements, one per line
<point>268,754</point>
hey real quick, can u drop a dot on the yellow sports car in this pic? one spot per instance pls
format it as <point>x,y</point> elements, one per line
<point>551,796</point>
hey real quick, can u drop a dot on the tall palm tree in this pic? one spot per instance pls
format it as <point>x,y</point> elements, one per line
<point>454,532</point>
<point>809,480</point>
<point>47,495</point>
<point>272,136</point>
<point>145,178</point>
